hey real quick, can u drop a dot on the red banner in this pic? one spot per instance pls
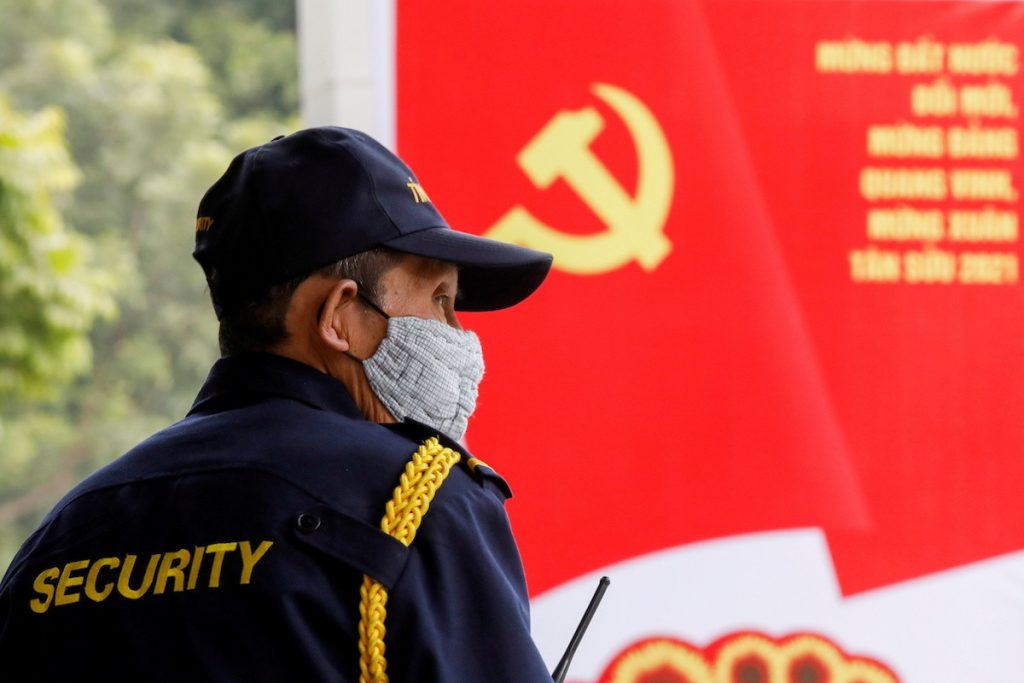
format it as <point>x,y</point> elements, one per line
<point>787,287</point>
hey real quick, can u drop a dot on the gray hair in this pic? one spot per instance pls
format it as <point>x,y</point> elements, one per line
<point>259,324</point>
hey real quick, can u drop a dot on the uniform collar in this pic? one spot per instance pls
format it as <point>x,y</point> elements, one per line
<point>271,375</point>
<point>419,432</point>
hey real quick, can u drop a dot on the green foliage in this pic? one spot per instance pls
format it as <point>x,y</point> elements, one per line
<point>252,67</point>
<point>157,97</point>
<point>49,296</point>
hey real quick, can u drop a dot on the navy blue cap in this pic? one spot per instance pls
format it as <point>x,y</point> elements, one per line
<point>303,201</point>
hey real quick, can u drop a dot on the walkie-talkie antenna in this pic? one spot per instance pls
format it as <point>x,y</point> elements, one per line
<point>563,665</point>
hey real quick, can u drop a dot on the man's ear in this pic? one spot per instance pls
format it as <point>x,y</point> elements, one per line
<point>336,317</point>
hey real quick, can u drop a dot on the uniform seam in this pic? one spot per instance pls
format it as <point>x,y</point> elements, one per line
<point>18,565</point>
<point>15,567</point>
<point>164,474</point>
<point>372,183</point>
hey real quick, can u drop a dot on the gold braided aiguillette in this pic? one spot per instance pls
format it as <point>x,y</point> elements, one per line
<point>423,476</point>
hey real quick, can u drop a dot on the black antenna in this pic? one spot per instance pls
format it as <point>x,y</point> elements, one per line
<point>563,666</point>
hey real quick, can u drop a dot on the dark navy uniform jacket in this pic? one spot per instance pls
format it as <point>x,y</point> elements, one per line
<point>231,546</point>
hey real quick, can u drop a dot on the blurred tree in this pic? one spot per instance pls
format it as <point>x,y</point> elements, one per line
<point>49,296</point>
<point>157,98</point>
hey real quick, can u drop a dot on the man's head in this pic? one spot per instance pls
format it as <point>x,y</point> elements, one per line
<point>397,346</point>
<point>322,244</point>
<point>303,202</point>
<point>259,324</point>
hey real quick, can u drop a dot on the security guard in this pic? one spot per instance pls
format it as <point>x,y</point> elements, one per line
<point>313,517</point>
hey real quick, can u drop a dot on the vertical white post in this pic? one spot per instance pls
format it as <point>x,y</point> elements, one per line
<point>347,65</point>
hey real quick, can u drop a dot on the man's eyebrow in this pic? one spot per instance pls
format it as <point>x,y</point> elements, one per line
<point>445,283</point>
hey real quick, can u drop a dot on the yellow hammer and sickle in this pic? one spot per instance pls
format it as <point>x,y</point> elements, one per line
<point>634,223</point>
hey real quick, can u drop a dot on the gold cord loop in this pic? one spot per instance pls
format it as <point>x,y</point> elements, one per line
<point>423,475</point>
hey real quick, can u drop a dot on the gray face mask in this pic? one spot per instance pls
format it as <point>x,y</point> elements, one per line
<point>427,371</point>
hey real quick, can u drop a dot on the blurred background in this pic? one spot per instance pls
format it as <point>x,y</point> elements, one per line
<point>115,116</point>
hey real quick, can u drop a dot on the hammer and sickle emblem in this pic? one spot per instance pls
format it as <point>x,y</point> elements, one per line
<point>634,223</point>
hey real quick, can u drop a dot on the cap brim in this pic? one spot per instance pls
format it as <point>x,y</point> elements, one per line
<point>492,274</point>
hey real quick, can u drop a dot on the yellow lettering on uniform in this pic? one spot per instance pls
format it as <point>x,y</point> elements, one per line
<point>172,567</point>
<point>94,571</point>
<point>123,580</point>
<point>68,581</point>
<point>250,558</point>
<point>193,572</point>
<point>218,550</point>
<point>43,586</point>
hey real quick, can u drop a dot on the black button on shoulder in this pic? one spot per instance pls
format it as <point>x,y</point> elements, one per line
<point>307,522</point>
